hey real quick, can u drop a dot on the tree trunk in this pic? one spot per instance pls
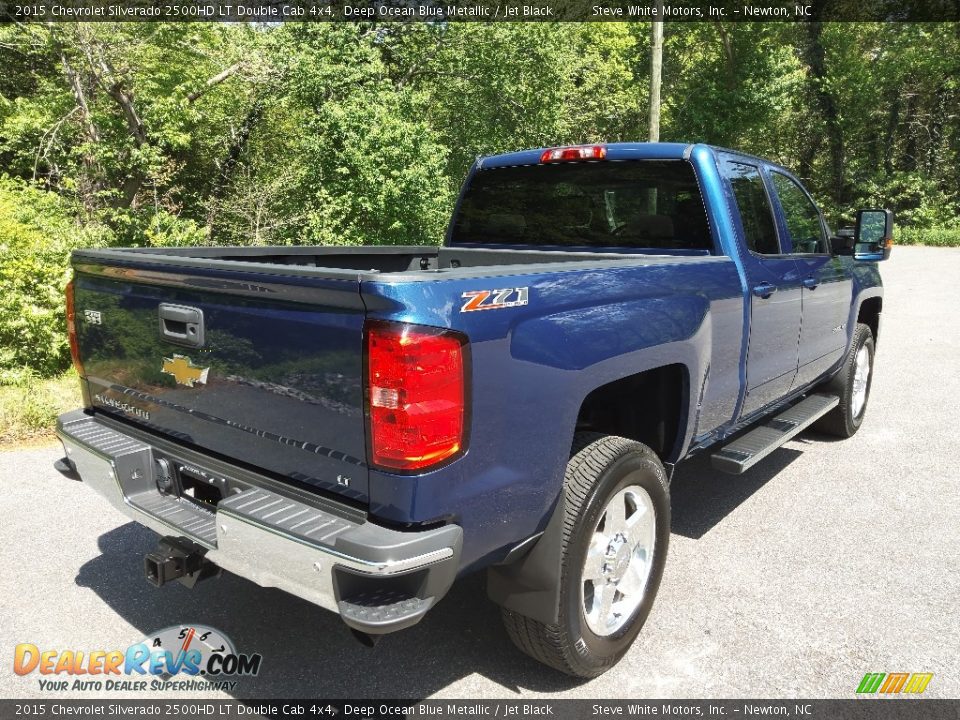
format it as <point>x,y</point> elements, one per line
<point>213,82</point>
<point>728,55</point>
<point>941,110</point>
<point>106,76</point>
<point>889,139</point>
<point>807,155</point>
<point>909,160</point>
<point>237,146</point>
<point>93,182</point>
<point>816,59</point>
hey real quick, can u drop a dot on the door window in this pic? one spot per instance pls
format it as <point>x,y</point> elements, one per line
<point>801,216</point>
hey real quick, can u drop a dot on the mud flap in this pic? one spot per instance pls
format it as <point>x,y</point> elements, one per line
<point>530,585</point>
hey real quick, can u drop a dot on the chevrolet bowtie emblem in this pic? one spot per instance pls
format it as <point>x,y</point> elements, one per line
<point>183,370</point>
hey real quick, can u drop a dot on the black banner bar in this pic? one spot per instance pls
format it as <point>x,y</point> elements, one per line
<point>478,10</point>
<point>872,708</point>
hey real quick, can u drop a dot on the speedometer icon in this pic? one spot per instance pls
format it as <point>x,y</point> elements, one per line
<point>178,640</point>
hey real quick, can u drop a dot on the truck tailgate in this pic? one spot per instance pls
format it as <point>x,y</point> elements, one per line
<point>276,382</point>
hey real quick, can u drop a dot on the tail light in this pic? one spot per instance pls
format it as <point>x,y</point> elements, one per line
<point>417,395</point>
<point>72,331</point>
<point>574,153</point>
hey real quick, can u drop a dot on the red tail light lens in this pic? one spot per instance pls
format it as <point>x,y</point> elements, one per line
<point>416,385</point>
<point>574,153</point>
<point>72,331</point>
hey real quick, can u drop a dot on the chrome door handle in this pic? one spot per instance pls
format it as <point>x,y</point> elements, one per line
<point>764,289</point>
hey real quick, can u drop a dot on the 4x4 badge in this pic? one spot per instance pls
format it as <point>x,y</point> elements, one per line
<point>184,371</point>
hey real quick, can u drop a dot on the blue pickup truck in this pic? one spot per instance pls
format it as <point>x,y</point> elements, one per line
<point>360,426</point>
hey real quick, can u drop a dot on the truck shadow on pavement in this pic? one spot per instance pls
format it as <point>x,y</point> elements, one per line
<point>702,497</point>
<point>307,651</point>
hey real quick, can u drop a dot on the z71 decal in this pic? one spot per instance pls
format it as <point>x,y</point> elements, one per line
<point>494,299</point>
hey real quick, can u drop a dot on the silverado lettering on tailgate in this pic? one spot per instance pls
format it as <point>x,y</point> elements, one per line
<point>122,406</point>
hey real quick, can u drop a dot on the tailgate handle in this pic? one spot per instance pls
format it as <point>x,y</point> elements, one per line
<point>181,324</point>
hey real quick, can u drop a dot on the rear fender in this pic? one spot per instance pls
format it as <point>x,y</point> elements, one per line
<point>527,581</point>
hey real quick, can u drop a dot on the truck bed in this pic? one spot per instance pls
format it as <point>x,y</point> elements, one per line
<point>371,262</point>
<point>279,374</point>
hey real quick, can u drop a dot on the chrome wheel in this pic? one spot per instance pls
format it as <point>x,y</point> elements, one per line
<point>861,380</point>
<point>619,560</point>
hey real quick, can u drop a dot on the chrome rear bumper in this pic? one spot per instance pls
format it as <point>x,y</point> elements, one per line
<point>378,579</point>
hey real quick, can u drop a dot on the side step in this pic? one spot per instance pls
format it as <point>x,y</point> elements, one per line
<point>745,452</point>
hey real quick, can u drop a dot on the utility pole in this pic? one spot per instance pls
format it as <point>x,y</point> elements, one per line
<point>656,71</point>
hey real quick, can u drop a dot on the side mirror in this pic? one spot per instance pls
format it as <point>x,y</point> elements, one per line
<point>842,243</point>
<point>873,235</point>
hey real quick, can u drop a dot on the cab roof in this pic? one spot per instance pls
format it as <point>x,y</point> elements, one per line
<point>615,151</point>
<point>620,151</point>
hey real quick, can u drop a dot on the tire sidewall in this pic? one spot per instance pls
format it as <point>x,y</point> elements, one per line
<point>631,468</point>
<point>864,339</point>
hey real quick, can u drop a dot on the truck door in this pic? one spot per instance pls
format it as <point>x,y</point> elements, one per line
<point>827,285</point>
<point>773,290</point>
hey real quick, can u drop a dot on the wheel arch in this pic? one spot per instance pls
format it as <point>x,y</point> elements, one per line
<point>868,313</point>
<point>528,580</point>
<point>651,407</point>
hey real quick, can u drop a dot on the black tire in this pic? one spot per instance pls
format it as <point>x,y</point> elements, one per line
<point>841,421</point>
<point>600,466</point>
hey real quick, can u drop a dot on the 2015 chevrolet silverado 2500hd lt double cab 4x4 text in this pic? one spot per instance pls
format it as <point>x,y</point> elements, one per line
<point>361,426</point>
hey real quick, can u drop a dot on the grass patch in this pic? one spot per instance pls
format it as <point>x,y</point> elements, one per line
<point>936,237</point>
<point>29,405</point>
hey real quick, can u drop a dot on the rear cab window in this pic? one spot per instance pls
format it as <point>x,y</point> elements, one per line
<point>654,204</point>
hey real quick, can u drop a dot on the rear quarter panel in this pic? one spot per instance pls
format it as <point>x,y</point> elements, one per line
<point>533,365</point>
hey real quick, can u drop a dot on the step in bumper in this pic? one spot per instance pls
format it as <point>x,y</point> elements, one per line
<point>378,579</point>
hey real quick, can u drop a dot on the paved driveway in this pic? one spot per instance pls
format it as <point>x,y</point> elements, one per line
<point>827,561</point>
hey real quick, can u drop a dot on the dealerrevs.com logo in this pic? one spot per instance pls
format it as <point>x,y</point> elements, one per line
<point>205,656</point>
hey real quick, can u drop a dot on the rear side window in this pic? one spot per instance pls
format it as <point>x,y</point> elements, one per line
<point>756,215</point>
<point>635,203</point>
<point>801,216</point>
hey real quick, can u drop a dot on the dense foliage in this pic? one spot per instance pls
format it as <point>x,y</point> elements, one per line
<point>167,134</point>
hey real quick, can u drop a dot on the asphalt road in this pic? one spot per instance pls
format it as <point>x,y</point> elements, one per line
<point>828,560</point>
